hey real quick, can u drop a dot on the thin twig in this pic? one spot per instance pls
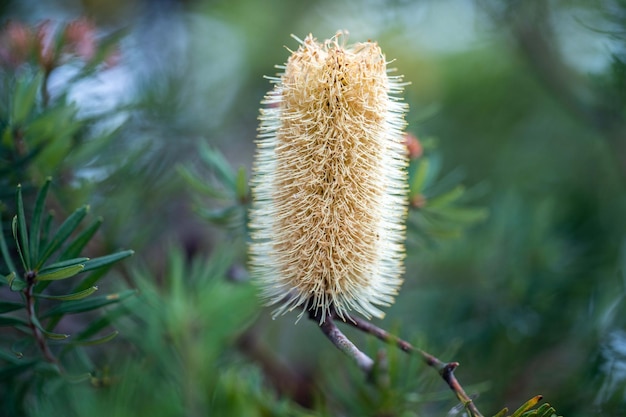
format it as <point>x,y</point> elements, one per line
<point>344,344</point>
<point>446,370</point>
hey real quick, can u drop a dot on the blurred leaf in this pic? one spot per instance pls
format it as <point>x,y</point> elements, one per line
<point>73,307</point>
<point>7,306</point>
<point>7,372</point>
<point>24,97</point>
<point>70,297</point>
<point>228,216</point>
<point>12,322</point>
<point>447,198</point>
<point>97,325</point>
<point>200,185</point>
<point>216,161</point>
<point>97,341</point>
<point>502,413</point>
<point>242,184</point>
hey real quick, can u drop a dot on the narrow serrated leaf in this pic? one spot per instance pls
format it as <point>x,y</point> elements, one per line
<point>5,253</point>
<point>35,231</point>
<point>17,242</point>
<point>107,260</point>
<point>22,229</point>
<point>65,230</point>
<point>61,273</point>
<point>62,264</point>
<point>70,297</point>
<point>73,307</point>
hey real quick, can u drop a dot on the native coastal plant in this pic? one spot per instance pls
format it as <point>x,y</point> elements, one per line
<point>329,196</point>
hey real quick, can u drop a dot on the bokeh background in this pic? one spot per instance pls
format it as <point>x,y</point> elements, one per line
<point>525,103</point>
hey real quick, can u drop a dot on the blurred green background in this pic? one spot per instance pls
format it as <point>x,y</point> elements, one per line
<point>526,103</point>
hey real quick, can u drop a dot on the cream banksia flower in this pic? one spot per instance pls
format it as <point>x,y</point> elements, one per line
<point>329,183</point>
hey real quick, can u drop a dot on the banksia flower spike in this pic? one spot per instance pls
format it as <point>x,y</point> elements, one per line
<point>329,183</point>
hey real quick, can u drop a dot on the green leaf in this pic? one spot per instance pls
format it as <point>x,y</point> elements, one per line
<point>15,283</point>
<point>200,185</point>
<point>7,306</point>
<point>23,231</point>
<point>242,184</point>
<point>24,99</point>
<point>70,297</point>
<point>96,325</point>
<point>55,336</point>
<point>447,198</point>
<point>12,322</point>
<point>419,179</point>
<point>61,273</point>
<point>65,230</point>
<point>227,216</point>
<point>17,242</point>
<point>97,341</point>
<point>5,253</point>
<point>76,247</point>
<point>73,307</point>
<point>527,406</point>
<point>47,333</point>
<point>106,260</point>
<point>35,231</point>
<point>215,160</point>
<point>62,264</point>
<point>12,370</point>
<point>502,413</point>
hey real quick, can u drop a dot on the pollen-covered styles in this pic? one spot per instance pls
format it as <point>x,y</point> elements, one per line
<point>329,182</point>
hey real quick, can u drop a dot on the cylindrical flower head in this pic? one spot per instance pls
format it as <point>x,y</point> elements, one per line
<point>329,183</point>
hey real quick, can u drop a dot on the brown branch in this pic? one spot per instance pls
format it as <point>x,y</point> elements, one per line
<point>446,370</point>
<point>31,314</point>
